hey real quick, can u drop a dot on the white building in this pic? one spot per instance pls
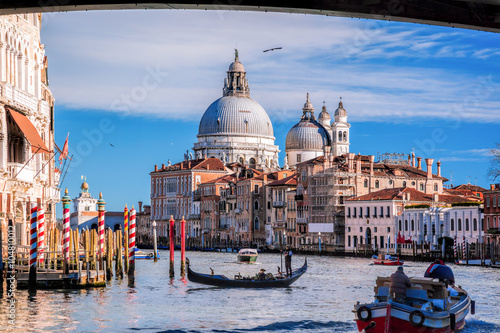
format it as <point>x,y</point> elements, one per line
<point>27,166</point>
<point>235,128</point>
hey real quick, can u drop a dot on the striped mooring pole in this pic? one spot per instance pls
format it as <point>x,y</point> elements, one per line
<point>183,247</point>
<point>100,228</point>
<point>172,225</point>
<point>464,249</point>
<point>33,248</point>
<point>41,234</point>
<point>131,246</point>
<point>455,249</point>
<point>66,200</point>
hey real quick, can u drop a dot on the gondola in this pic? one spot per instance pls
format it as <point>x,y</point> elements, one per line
<point>223,281</point>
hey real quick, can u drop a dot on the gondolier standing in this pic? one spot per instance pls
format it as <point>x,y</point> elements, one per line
<point>288,261</point>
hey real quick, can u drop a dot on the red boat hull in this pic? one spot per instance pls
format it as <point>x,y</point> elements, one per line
<point>388,262</point>
<point>403,326</point>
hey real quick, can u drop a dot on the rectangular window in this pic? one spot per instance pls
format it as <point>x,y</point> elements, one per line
<point>381,242</point>
<point>381,211</point>
<point>256,189</point>
<point>349,212</point>
<point>348,229</point>
<point>388,212</point>
<point>367,212</point>
<point>388,229</point>
<point>374,211</point>
<point>360,229</point>
<point>349,241</point>
<point>487,201</point>
<point>360,211</point>
<point>299,158</point>
<point>494,201</point>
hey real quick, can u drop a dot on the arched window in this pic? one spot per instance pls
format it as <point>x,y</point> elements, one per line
<point>340,136</point>
<point>365,183</point>
<point>354,215</point>
<point>241,160</point>
<point>377,184</point>
<point>252,161</point>
<point>404,183</point>
<point>425,229</point>
<point>256,205</point>
<point>466,224</point>
<point>433,229</point>
<point>400,226</point>
<point>406,225</point>
<point>345,136</point>
<point>452,225</point>
<point>360,211</point>
<point>459,225</point>
<point>256,224</point>
<point>474,222</point>
<point>412,225</point>
<point>421,186</point>
<point>435,187</point>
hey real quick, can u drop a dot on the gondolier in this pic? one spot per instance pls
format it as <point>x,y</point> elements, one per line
<point>288,261</point>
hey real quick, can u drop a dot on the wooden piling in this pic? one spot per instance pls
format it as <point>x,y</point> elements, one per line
<point>155,245</point>
<point>109,254</point>
<point>119,254</point>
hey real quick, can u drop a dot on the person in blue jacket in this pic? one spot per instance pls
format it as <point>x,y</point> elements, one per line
<point>438,270</point>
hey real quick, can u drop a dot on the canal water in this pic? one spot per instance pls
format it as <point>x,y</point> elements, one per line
<point>321,301</point>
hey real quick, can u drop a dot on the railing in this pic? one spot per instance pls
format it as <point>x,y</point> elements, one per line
<point>494,231</point>
<point>194,216</point>
<point>301,219</point>
<point>17,172</point>
<point>299,197</point>
<point>279,203</point>
<point>18,97</point>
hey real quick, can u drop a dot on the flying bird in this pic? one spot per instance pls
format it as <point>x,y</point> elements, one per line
<point>274,48</point>
<point>111,145</point>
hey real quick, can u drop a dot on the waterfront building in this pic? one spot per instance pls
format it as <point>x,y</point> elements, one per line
<point>236,128</point>
<point>174,192</point>
<point>85,214</point>
<point>282,229</point>
<point>144,225</point>
<point>26,125</point>
<point>492,213</point>
<point>376,219</point>
<point>324,184</point>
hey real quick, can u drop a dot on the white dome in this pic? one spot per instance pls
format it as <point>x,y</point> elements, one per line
<point>236,66</point>
<point>236,115</point>
<point>308,134</point>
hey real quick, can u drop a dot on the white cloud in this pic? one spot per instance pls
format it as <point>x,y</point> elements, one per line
<point>99,58</point>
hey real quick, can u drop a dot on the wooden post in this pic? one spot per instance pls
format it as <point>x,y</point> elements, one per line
<point>109,254</point>
<point>33,248</point>
<point>119,254</point>
<point>155,245</point>
<point>131,237</point>
<point>1,260</point>
<point>183,247</point>
<point>66,227</point>
<point>125,237</point>
<point>86,247</point>
<point>171,234</point>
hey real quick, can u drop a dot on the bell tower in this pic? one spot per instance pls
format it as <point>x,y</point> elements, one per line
<point>340,131</point>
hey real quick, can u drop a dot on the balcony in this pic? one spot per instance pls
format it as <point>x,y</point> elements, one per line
<point>17,172</point>
<point>301,219</point>
<point>279,204</point>
<point>237,211</point>
<point>494,231</point>
<point>21,99</point>
<point>194,216</point>
<point>278,224</point>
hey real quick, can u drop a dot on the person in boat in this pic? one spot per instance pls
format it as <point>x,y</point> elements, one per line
<point>262,275</point>
<point>399,285</point>
<point>438,270</point>
<point>288,261</point>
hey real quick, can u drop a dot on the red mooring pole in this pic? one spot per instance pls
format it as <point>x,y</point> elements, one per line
<point>183,247</point>
<point>33,248</point>
<point>172,224</point>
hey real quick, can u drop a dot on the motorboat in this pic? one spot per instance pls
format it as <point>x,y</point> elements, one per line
<point>387,259</point>
<point>247,255</point>
<point>430,307</point>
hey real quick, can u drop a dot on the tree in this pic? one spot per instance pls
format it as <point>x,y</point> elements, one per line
<point>494,171</point>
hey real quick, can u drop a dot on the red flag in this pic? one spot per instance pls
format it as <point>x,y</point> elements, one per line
<point>64,153</point>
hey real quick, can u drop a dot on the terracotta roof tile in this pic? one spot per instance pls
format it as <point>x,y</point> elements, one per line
<point>397,194</point>
<point>469,187</point>
<point>290,180</point>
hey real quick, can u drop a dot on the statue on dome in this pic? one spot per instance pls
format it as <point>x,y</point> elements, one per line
<point>190,155</point>
<point>169,163</point>
<point>285,166</point>
<point>199,156</point>
<point>236,55</point>
<point>223,158</point>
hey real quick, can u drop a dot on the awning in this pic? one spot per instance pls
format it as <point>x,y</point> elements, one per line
<point>29,130</point>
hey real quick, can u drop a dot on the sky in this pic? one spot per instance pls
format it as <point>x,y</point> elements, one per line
<point>131,87</point>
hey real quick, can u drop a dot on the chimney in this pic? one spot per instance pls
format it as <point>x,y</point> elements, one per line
<point>407,196</point>
<point>156,167</point>
<point>409,159</point>
<point>140,206</point>
<point>189,164</point>
<point>372,159</point>
<point>265,178</point>
<point>163,166</point>
<point>492,187</point>
<point>208,166</point>
<point>326,151</point>
<point>419,163</point>
<point>439,168</point>
<point>413,159</point>
<point>358,165</point>
<point>429,162</point>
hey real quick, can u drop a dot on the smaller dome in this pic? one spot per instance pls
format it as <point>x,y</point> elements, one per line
<point>236,66</point>
<point>341,112</point>
<point>85,186</point>
<point>308,105</point>
<point>324,114</point>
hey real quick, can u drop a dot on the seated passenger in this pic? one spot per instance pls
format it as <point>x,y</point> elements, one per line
<point>438,270</point>
<point>262,275</point>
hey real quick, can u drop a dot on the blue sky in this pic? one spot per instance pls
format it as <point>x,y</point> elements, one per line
<point>141,80</point>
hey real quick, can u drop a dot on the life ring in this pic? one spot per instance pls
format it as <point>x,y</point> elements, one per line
<point>364,313</point>
<point>420,318</point>
<point>151,255</point>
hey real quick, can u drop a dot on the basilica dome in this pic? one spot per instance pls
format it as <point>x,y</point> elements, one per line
<point>236,115</point>
<point>307,134</point>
